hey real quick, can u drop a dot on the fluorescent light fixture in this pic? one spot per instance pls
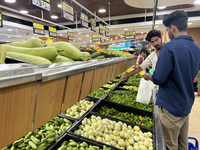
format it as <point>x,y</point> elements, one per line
<point>102,10</point>
<point>59,5</point>
<point>197,2</point>
<point>24,12</point>
<point>79,33</point>
<point>47,36</point>
<point>116,38</point>
<point>35,34</point>
<point>189,23</point>
<point>83,42</point>
<point>23,40</point>
<point>10,1</point>
<point>7,41</point>
<point>60,34</point>
<point>162,7</point>
<point>79,38</point>
<point>90,40</point>
<point>9,29</point>
<point>54,17</point>
<point>125,29</point>
<point>141,32</point>
<point>87,35</point>
<point>32,37</point>
<point>156,26</point>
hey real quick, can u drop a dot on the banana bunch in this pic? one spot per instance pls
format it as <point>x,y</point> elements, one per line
<point>2,55</point>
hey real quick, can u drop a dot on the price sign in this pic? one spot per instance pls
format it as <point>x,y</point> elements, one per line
<point>84,20</point>
<point>96,37</point>
<point>130,35</point>
<point>1,22</point>
<point>70,36</point>
<point>67,11</point>
<point>41,4</point>
<point>107,32</point>
<point>38,28</point>
<point>100,29</point>
<point>93,25</point>
<point>52,32</point>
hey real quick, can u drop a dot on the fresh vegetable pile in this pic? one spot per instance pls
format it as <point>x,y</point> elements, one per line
<point>134,88</point>
<point>116,134</point>
<point>110,86</point>
<point>77,110</point>
<point>43,136</point>
<point>134,80</point>
<point>129,98</point>
<point>99,93</point>
<point>116,52</point>
<point>72,145</point>
<point>130,117</point>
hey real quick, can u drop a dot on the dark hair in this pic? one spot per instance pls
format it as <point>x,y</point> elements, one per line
<point>153,33</point>
<point>145,51</point>
<point>177,18</point>
<point>132,46</point>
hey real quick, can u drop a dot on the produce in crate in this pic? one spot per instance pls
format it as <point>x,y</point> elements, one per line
<point>2,55</point>
<point>45,52</point>
<point>114,133</point>
<point>94,55</point>
<point>77,110</point>
<point>99,93</point>
<point>29,58</point>
<point>126,116</point>
<point>60,59</point>
<point>71,144</point>
<point>134,88</point>
<point>110,85</point>
<point>42,137</point>
<point>99,57</point>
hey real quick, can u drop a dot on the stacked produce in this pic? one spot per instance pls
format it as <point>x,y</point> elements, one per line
<point>134,88</point>
<point>116,52</point>
<point>72,145</point>
<point>2,55</point>
<point>96,55</point>
<point>42,137</point>
<point>134,80</point>
<point>110,86</point>
<point>33,51</point>
<point>99,93</point>
<point>130,117</point>
<point>114,133</point>
<point>77,110</point>
<point>129,98</point>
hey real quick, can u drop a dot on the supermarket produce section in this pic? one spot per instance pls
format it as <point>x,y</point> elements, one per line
<point>76,105</point>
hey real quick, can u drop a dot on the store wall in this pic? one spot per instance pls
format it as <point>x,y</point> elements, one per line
<point>195,33</point>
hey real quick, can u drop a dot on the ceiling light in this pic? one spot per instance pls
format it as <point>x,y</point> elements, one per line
<point>116,38</point>
<point>125,29</point>
<point>10,1</point>
<point>83,42</point>
<point>47,36</point>
<point>9,29</point>
<point>79,33</point>
<point>79,38</point>
<point>59,5</point>
<point>102,10</point>
<point>87,35</point>
<point>23,40</point>
<point>141,32</point>
<point>197,2</point>
<point>162,7</point>
<point>121,36</point>
<point>189,23</point>
<point>35,34</point>
<point>156,26</point>
<point>54,17</point>
<point>7,41</point>
<point>60,34</point>
<point>90,40</point>
<point>32,37</point>
<point>24,12</point>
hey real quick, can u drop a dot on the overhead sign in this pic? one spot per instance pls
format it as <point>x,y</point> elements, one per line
<point>41,4</point>
<point>96,37</point>
<point>47,40</point>
<point>107,34</point>
<point>38,28</point>
<point>100,29</point>
<point>1,22</point>
<point>93,25</point>
<point>70,36</point>
<point>84,20</point>
<point>52,32</point>
<point>129,35</point>
<point>67,11</point>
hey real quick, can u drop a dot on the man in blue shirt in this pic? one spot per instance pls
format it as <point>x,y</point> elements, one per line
<point>177,66</point>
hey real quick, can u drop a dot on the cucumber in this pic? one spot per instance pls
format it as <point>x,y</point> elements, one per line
<point>96,54</point>
<point>99,57</point>
<point>60,59</point>
<point>2,55</point>
<point>18,142</point>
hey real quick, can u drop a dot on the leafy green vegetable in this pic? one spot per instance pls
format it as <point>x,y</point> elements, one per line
<point>99,93</point>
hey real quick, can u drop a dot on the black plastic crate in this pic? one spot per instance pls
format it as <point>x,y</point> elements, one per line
<point>78,139</point>
<point>75,127</point>
<point>124,83</point>
<point>123,108</point>
<point>89,98</point>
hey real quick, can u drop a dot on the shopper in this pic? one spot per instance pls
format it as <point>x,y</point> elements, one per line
<point>198,84</point>
<point>177,66</point>
<point>144,54</point>
<point>154,37</point>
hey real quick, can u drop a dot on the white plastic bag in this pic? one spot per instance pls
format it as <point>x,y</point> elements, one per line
<point>145,91</point>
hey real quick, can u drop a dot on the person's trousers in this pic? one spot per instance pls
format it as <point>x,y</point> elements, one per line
<point>175,130</point>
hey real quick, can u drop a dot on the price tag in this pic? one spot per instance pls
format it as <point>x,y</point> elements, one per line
<point>1,22</point>
<point>107,34</point>
<point>100,29</point>
<point>41,4</point>
<point>96,37</point>
<point>52,32</point>
<point>93,25</point>
<point>38,28</point>
<point>129,35</point>
<point>70,36</point>
<point>67,11</point>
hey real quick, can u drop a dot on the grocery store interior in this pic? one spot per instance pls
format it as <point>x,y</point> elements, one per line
<point>58,92</point>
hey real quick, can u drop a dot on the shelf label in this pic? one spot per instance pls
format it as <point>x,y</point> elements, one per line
<point>129,35</point>
<point>52,32</point>
<point>70,36</point>
<point>84,20</point>
<point>38,28</point>
<point>67,11</point>
<point>100,29</point>
<point>93,25</point>
<point>1,22</point>
<point>96,37</point>
<point>41,4</point>
<point>107,34</point>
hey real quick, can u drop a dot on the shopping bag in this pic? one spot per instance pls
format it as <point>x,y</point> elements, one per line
<point>145,91</point>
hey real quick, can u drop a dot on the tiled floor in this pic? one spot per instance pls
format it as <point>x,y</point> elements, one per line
<point>194,123</point>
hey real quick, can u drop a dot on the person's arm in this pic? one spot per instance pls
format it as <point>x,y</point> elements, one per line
<point>135,71</point>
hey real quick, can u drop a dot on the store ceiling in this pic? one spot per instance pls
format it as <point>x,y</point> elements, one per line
<point>121,12</point>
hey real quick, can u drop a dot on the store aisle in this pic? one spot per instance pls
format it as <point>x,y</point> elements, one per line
<point>194,123</point>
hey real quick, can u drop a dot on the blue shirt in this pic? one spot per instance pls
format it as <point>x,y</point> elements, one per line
<point>177,66</point>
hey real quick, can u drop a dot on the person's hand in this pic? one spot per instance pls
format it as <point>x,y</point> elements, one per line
<point>123,78</point>
<point>146,76</point>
